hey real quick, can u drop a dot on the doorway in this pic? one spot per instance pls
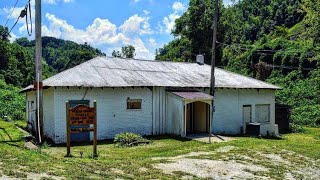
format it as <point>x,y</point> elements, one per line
<point>197,117</point>
<point>247,118</point>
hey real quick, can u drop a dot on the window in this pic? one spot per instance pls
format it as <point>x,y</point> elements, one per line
<point>134,103</point>
<point>31,110</point>
<point>262,113</point>
<point>246,113</point>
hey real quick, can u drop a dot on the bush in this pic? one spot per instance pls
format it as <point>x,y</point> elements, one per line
<point>129,139</point>
<point>295,128</point>
<point>12,103</point>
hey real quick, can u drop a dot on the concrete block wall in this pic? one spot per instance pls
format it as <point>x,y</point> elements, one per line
<point>48,110</point>
<point>113,117</point>
<point>228,117</point>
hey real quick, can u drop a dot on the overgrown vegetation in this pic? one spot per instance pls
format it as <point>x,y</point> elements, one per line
<point>277,41</point>
<point>295,128</point>
<point>129,139</point>
<point>12,104</point>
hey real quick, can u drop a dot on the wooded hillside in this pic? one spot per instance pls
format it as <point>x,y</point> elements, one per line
<point>17,68</point>
<point>277,41</point>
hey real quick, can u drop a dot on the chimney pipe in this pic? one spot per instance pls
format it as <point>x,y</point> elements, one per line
<point>200,59</point>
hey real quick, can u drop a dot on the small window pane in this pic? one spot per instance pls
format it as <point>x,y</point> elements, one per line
<point>263,113</point>
<point>134,104</point>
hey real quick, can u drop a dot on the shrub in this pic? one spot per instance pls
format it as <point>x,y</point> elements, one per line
<point>295,128</point>
<point>129,139</point>
<point>12,103</point>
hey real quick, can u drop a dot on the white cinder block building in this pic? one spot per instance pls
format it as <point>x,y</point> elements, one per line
<point>154,97</point>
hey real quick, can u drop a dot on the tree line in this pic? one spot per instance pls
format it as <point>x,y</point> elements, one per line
<point>273,40</point>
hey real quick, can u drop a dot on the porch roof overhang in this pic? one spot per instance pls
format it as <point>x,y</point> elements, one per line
<point>194,96</point>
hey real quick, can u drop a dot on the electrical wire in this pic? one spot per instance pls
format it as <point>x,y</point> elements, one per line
<point>11,12</point>
<point>24,13</point>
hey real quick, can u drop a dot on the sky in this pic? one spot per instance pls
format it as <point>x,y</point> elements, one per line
<point>104,24</point>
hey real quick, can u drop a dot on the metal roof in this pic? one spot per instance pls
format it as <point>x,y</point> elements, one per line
<point>118,72</point>
<point>193,95</point>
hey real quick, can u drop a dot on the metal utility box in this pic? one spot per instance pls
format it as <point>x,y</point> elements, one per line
<point>253,129</point>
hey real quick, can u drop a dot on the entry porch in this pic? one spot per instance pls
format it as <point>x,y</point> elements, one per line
<point>189,113</point>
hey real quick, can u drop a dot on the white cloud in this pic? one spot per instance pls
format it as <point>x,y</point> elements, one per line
<point>16,12</point>
<point>136,24</point>
<point>103,34</point>
<point>169,21</point>
<point>178,6</point>
<point>152,42</point>
<point>13,37</point>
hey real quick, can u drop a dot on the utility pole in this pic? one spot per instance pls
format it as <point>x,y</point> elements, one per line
<point>38,77</point>
<point>213,59</point>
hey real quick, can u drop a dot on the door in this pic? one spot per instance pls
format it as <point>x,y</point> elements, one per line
<point>247,118</point>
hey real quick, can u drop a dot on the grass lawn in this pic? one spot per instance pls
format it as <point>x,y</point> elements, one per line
<point>295,155</point>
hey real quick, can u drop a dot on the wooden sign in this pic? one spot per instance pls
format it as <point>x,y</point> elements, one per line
<point>81,115</point>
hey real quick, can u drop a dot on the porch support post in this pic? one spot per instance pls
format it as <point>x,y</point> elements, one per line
<point>210,121</point>
<point>185,120</point>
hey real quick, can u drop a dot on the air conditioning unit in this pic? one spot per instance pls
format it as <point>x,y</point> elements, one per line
<point>253,129</point>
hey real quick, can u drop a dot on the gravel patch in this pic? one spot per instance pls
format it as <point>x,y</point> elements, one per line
<point>275,158</point>
<point>215,169</point>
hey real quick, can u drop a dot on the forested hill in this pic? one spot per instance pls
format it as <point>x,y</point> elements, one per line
<point>273,40</point>
<point>17,59</point>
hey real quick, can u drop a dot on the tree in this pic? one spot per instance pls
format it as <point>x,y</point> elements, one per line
<point>253,36</point>
<point>126,52</point>
<point>4,33</point>
<point>116,53</point>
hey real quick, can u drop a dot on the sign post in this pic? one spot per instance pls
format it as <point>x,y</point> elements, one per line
<point>81,115</point>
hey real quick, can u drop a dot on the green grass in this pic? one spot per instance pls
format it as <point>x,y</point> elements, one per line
<point>114,162</point>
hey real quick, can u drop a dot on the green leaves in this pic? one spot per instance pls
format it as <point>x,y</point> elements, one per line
<point>11,102</point>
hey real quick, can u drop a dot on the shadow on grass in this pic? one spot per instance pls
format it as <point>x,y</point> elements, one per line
<point>173,137</point>
<point>110,141</point>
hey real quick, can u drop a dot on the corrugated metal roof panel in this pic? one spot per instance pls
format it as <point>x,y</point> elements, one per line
<point>193,95</point>
<point>118,72</point>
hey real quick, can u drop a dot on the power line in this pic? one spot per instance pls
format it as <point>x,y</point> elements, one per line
<point>24,13</point>
<point>257,50</point>
<point>261,51</point>
<point>11,12</point>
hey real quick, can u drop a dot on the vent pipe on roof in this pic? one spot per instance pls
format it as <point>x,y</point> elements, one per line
<point>200,59</point>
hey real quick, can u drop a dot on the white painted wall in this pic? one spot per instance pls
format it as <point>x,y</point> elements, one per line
<point>48,110</point>
<point>174,115</point>
<point>228,117</point>
<point>112,114</point>
<point>159,110</point>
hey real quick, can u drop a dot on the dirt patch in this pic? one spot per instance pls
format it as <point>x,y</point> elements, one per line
<point>143,169</point>
<point>223,163</point>
<point>192,154</point>
<point>37,176</point>
<point>225,149</point>
<point>215,169</point>
<point>274,158</point>
<point>117,171</point>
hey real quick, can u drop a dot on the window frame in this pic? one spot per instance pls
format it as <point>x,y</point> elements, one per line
<point>247,105</point>
<point>136,100</point>
<point>269,114</point>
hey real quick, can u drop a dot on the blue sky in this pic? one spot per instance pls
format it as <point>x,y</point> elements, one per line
<point>104,24</point>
